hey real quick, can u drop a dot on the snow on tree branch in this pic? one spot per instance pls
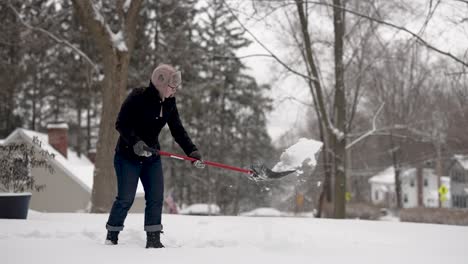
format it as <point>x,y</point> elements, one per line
<point>126,5</point>
<point>338,133</point>
<point>118,41</point>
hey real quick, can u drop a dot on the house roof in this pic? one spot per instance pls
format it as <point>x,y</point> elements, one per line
<point>387,176</point>
<point>463,160</point>
<point>80,169</point>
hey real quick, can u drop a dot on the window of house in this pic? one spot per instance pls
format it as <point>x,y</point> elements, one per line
<point>455,176</point>
<point>459,176</point>
<point>405,198</point>
<point>456,201</point>
<point>460,201</point>
<point>376,194</point>
<point>425,182</point>
<point>412,183</point>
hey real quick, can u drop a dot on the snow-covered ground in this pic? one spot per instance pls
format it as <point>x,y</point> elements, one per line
<point>78,238</point>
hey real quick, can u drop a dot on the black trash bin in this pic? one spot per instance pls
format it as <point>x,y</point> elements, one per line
<point>14,205</point>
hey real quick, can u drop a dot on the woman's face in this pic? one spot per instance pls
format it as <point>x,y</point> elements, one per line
<point>173,84</point>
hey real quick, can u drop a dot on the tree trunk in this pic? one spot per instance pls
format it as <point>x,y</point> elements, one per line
<point>115,62</point>
<point>339,138</point>
<point>79,138</point>
<point>115,84</point>
<point>396,165</point>
<point>419,185</point>
<point>34,103</point>
<point>88,110</point>
<point>319,100</point>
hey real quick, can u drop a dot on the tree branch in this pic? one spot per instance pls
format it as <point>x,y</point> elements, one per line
<point>130,22</point>
<point>55,38</point>
<point>94,21</point>
<point>370,132</point>
<point>416,36</point>
<point>263,46</point>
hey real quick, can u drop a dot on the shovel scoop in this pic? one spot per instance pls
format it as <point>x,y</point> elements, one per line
<point>258,172</point>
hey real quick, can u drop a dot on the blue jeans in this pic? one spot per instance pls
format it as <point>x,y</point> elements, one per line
<point>128,172</point>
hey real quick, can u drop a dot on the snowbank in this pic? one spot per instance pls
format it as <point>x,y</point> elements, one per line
<point>265,211</point>
<point>201,209</point>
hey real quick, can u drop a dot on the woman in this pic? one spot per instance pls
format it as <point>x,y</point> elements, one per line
<point>142,116</point>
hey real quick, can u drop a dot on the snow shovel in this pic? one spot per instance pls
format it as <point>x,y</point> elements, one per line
<point>257,172</point>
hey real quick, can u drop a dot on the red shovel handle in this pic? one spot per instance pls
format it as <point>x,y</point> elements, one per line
<point>214,164</point>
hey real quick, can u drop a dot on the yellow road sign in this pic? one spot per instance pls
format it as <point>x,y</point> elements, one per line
<point>443,190</point>
<point>348,196</point>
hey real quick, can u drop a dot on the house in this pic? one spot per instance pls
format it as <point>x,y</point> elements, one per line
<point>459,181</point>
<point>376,152</point>
<point>413,194</point>
<point>68,188</point>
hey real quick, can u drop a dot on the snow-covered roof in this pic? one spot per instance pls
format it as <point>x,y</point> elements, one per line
<point>80,169</point>
<point>386,176</point>
<point>58,125</point>
<point>201,209</point>
<point>463,160</point>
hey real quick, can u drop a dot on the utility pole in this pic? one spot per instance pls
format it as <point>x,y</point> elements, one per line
<point>439,166</point>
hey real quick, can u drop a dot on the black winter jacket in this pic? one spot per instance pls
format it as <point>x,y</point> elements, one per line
<point>142,116</point>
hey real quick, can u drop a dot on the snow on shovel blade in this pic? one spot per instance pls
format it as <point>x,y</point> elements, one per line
<point>262,173</point>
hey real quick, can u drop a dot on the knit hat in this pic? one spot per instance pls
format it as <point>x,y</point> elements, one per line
<point>166,79</point>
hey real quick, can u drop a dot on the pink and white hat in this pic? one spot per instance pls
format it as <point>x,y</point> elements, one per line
<point>166,79</point>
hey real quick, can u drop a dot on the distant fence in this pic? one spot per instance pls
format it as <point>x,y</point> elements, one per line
<point>435,216</point>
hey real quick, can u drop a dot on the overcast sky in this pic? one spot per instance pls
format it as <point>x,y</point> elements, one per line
<point>289,113</point>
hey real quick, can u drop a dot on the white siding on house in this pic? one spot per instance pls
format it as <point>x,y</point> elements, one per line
<point>383,188</point>
<point>430,188</point>
<point>61,193</point>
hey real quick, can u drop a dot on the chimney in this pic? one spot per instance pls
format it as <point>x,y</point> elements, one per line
<point>92,155</point>
<point>58,137</point>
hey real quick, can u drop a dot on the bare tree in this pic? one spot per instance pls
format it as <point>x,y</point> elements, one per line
<point>115,49</point>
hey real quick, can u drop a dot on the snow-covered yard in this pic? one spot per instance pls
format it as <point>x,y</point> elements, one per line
<point>78,238</point>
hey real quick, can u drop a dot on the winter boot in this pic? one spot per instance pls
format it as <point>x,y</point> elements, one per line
<point>112,237</point>
<point>153,240</point>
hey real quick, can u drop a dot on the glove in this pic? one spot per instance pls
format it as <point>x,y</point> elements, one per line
<point>139,149</point>
<point>198,163</point>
